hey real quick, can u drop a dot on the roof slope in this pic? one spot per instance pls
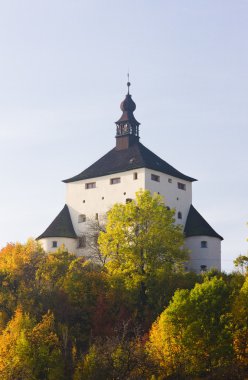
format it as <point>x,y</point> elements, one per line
<point>136,156</point>
<point>196,225</point>
<point>60,227</point>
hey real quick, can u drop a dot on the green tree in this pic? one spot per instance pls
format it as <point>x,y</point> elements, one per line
<point>141,238</point>
<point>193,335</point>
<point>241,262</point>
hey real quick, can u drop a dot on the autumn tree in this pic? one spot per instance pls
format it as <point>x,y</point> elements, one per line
<point>30,350</point>
<point>18,266</point>
<point>141,237</point>
<point>240,326</point>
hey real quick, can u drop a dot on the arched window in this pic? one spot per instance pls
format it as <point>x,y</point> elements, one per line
<point>179,215</point>
<point>81,218</point>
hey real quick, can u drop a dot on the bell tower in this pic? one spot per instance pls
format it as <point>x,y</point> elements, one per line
<point>127,127</point>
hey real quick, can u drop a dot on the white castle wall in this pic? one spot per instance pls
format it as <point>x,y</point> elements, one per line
<point>69,243</point>
<point>175,198</point>
<point>97,201</point>
<point>209,256</point>
<point>100,199</point>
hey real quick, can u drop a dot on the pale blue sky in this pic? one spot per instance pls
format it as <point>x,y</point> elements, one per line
<point>63,68</point>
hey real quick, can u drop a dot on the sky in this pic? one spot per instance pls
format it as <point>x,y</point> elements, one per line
<point>63,74</point>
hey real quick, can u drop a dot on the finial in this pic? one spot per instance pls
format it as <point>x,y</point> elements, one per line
<point>128,83</point>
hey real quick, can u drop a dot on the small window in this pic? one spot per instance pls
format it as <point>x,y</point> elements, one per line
<point>179,215</point>
<point>128,200</point>
<point>169,180</point>
<point>96,216</point>
<point>155,177</point>
<point>114,181</point>
<point>204,244</point>
<point>54,244</point>
<point>90,185</point>
<point>82,242</point>
<point>81,218</point>
<point>203,268</point>
<point>135,176</point>
<point>168,208</point>
<point>181,186</point>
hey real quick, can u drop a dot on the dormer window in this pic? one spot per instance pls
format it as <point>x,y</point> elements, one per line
<point>81,218</point>
<point>155,178</point>
<point>114,181</point>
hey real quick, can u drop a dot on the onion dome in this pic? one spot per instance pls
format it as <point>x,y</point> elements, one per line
<point>128,107</point>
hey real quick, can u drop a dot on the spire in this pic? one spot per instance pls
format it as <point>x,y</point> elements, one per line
<point>128,83</point>
<point>127,127</point>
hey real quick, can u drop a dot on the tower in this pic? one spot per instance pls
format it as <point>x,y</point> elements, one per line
<point>116,177</point>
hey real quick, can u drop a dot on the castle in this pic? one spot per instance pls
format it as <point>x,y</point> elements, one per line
<point>116,177</point>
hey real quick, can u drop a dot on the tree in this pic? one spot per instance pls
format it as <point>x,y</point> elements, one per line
<point>30,350</point>
<point>240,326</point>
<point>116,358</point>
<point>241,262</point>
<point>193,335</point>
<point>94,227</point>
<point>141,237</point>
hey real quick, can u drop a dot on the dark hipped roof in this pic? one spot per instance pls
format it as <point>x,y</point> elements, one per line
<point>196,225</point>
<point>60,227</point>
<point>135,157</point>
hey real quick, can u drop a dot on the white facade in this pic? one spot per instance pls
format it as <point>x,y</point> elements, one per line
<point>90,199</point>
<point>205,253</point>
<point>95,201</point>
<point>51,244</point>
